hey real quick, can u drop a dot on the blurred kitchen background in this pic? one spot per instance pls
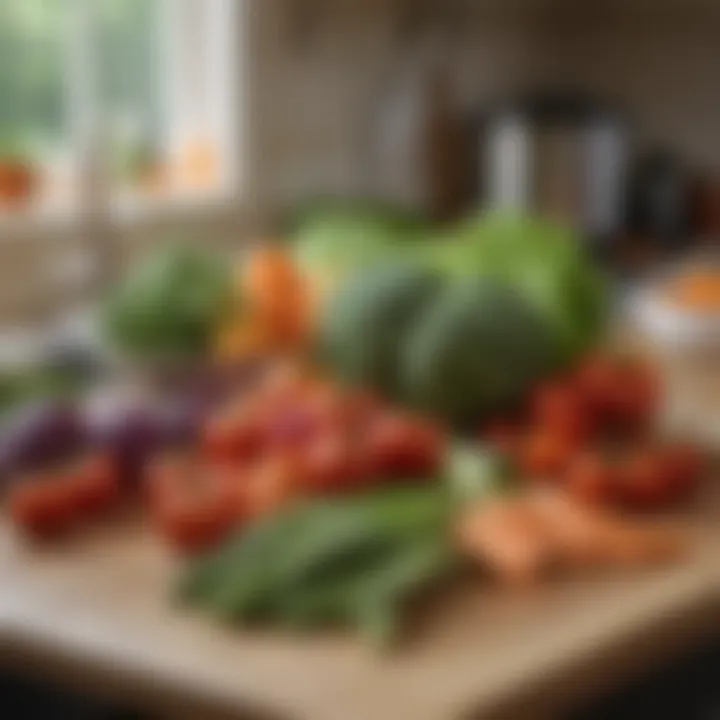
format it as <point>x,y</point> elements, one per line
<point>127,122</point>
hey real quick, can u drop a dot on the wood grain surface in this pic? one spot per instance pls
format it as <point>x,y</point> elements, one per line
<point>96,613</point>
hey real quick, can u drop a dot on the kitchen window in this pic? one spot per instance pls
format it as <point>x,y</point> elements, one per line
<point>116,109</point>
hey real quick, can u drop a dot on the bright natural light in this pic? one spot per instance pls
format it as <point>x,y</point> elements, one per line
<point>114,105</point>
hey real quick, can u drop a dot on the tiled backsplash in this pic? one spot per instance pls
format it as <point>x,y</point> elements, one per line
<point>661,61</point>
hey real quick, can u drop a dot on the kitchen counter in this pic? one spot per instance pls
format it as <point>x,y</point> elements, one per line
<point>96,614</point>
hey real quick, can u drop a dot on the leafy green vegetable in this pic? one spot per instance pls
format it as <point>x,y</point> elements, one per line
<point>400,576</point>
<point>364,326</point>
<point>168,306</point>
<point>235,581</point>
<point>347,561</point>
<point>543,260</point>
<point>333,239</point>
<point>476,349</point>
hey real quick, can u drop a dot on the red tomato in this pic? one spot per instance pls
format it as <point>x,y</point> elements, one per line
<point>637,396</point>
<point>360,409</point>
<point>325,402</point>
<point>592,479</point>
<point>234,435</point>
<point>398,445</point>
<point>96,484</point>
<point>644,481</point>
<point>289,427</point>
<point>271,484</point>
<point>624,393</point>
<point>43,506</point>
<point>562,409</point>
<point>333,462</point>
<point>596,381</point>
<point>193,506</point>
<point>684,465</point>
<point>546,454</point>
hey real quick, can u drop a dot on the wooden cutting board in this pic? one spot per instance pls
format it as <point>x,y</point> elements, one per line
<point>96,613</point>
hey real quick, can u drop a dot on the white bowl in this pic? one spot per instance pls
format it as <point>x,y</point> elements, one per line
<point>668,325</point>
<point>672,327</point>
<point>685,345</point>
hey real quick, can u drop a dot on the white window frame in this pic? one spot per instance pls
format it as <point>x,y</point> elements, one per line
<point>97,209</point>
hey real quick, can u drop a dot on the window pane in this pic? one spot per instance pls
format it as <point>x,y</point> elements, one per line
<point>162,101</point>
<point>35,166</point>
<point>129,85</point>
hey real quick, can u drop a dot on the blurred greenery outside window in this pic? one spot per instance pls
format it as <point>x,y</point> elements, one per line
<point>145,71</point>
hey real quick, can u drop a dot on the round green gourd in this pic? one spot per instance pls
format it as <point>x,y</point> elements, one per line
<point>475,350</point>
<point>364,326</point>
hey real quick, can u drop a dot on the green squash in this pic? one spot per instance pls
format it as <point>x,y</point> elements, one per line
<point>476,349</point>
<point>363,329</point>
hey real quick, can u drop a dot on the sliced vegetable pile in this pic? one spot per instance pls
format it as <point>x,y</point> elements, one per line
<point>594,432</point>
<point>290,438</point>
<point>423,397</point>
<point>523,538</point>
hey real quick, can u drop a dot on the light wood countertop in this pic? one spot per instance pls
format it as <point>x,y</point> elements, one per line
<point>96,614</point>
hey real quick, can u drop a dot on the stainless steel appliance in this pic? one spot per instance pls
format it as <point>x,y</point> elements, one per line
<point>561,155</point>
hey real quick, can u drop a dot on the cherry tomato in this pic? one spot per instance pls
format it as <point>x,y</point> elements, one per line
<point>43,505</point>
<point>234,435</point>
<point>562,409</point>
<point>637,396</point>
<point>398,445</point>
<point>596,382</point>
<point>333,462</point>
<point>592,479</point>
<point>193,505</point>
<point>360,409</point>
<point>546,453</point>
<point>624,392</point>
<point>684,465</point>
<point>271,484</point>
<point>289,427</point>
<point>96,484</point>
<point>644,480</point>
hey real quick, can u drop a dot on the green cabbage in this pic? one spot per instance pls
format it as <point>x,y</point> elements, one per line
<point>476,349</point>
<point>333,240</point>
<point>543,260</point>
